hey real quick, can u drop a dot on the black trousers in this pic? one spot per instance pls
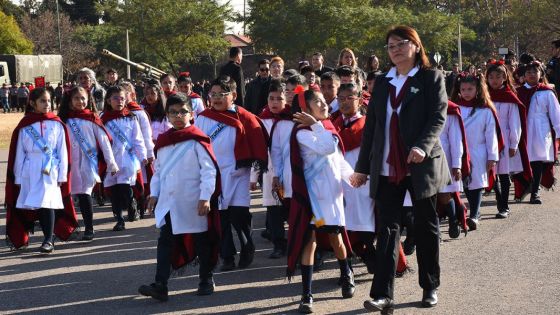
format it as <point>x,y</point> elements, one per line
<point>86,208</point>
<point>121,197</point>
<point>46,220</point>
<point>501,188</point>
<point>276,216</point>
<point>165,244</point>
<point>537,167</point>
<point>389,203</point>
<point>240,218</point>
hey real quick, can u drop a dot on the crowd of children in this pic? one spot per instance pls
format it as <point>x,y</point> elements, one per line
<point>193,162</point>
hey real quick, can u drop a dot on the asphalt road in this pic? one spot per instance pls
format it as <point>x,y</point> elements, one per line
<point>506,267</point>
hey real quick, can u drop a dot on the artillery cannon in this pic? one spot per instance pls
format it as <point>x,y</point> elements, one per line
<point>149,70</point>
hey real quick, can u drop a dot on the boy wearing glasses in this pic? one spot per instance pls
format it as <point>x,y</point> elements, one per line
<point>240,142</point>
<point>184,192</point>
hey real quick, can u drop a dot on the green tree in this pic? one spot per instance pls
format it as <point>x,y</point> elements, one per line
<point>12,40</point>
<point>166,34</point>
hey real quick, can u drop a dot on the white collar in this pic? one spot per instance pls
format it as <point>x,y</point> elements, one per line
<point>393,72</point>
<point>527,86</point>
<point>358,115</point>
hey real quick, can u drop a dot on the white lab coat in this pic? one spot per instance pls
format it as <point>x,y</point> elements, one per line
<point>359,207</point>
<point>191,178</point>
<point>159,127</point>
<point>540,145</point>
<point>127,169</point>
<point>327,185</point>
<point>451,140</point>
<point>510,123</point>
<point>82,174</point>
<point>482,142</point>
<point>268,198</point>
<point>280,154</point>
<point>235,182</point>
<point>38,190</point>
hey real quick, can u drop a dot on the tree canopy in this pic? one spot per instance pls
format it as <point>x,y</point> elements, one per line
<point>12,40</point>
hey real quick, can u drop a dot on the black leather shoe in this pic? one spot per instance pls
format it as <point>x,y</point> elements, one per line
<point>348,286</point>
<point>266,235</point>
<point>429,298</point>
<point>306,305</point>
<point>88,236</point>
<point>246,258</point>
<point>454,231</point>
<point>535,199</point>
<point>157,291</point>
<point>118,227</point>
<point>276,253</point>
<point>227,265</point>
<point>408,246</point>
<point>46,248</point>
<point>205,287</point>
<point>384,305</point>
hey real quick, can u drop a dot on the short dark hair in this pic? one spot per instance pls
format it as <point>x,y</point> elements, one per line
<point>225,83</point>
<point>296,79</point>
<point>276,85</point>
<point>111,70</point>
<point>184,78</point>
<point>350,87</point>
<point>290,72</point>
<point>264,62</point>
<point>345,71</point>
<point>331,76</point>
<point>178,99</point>
<point>306,69</point>
<point>234,51</point>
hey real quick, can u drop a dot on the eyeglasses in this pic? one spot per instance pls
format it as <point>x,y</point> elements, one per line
<point>182,113</point>
<point>117,98</point>
<point>400,45</point>
<point>278,98</point>
<point>341,98</point>
<point>264,69</point>
<point>219,95</point>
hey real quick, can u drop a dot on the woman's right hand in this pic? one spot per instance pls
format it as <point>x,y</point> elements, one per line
<point>358,179</point>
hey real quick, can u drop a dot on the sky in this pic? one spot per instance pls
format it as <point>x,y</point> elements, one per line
<point>237,5</point>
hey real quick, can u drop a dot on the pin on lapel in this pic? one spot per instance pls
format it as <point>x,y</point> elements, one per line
<point>414,90</point>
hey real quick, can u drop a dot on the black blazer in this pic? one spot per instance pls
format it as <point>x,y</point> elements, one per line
<point>233,70</point>
<point>421,119</point>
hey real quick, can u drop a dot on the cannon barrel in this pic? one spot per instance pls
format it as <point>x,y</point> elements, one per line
<point>154,69</point>
<point>153,72</point>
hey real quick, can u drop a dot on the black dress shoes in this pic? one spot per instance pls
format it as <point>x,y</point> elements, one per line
<point>246,257</point>
<point>157,291</point>
<point>383,305</point>
<point>348,286</point>
<point>429,298</point>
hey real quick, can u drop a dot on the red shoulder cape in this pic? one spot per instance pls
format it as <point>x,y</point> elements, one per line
<point>520,181</point>
<point>20,222</point>
<point>88,115</point>
<point>351,135</point>
<point>251,136</point>
<point>183,251</point>
<point>115,114</point>
<point>300,214</point>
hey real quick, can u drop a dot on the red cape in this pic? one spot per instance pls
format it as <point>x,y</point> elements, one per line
<point>115,114</point>
<point>334,115</point>
<point>300,215</point>
<point>251,137</point>
<point>20,222</point>
<point>88,115</point>
<point>501,145</point>
<point>525,96</point>
<point>522,180</point>
<point>133,106</point>
<point>183,251</point>
<point>351,135</point>
<point>285,114</point>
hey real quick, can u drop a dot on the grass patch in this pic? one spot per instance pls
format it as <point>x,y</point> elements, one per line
<point>8,123</point>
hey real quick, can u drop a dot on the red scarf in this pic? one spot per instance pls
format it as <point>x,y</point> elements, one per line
<point>20,222</point>
<point>133,106</point>
<point>501,145</point>
<point>522,180</point>
<point>365,98</point>
<point>184,250</point>
<point>299,218</point>
<point>115,114</point>
<point>525,96</point>
<point>335,115</point>
<point>284,114</point>
<point>194,95</point>
<point>397,154</point>
<point>88,115</point>
<point>251,137</point>
<point>351,135</point>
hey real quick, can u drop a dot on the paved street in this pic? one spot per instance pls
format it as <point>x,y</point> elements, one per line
<point>506,267</point>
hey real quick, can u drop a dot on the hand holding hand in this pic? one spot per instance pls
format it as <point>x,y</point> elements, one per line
<point>358,180</point>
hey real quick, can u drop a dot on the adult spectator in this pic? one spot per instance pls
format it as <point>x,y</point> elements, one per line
<point>450,78</point>
<point>233,70</point>
<point>111,78</point>
<point>276,67</point>
<point>553,66</point>
<point>317,61</point>
<point>58,92</point>
<point>50,89</point>
<point>257,90</point>
<point>372,64</point>
<point>4,97</point>
<point>347,58</point>
<point>401,152</point>
<point>87,80</point>
<point>23,95</point>
<point>13,97</point>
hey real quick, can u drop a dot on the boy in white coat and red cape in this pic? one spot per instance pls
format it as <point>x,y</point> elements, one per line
<point>185,190</point>
<point>240,142</point>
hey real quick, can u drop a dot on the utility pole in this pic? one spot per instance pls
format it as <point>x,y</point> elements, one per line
<point>59,40</point>
<point>127,57</point>
<point>244,11</point>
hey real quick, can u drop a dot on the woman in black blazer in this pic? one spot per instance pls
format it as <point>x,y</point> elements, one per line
<point>401,151</point>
